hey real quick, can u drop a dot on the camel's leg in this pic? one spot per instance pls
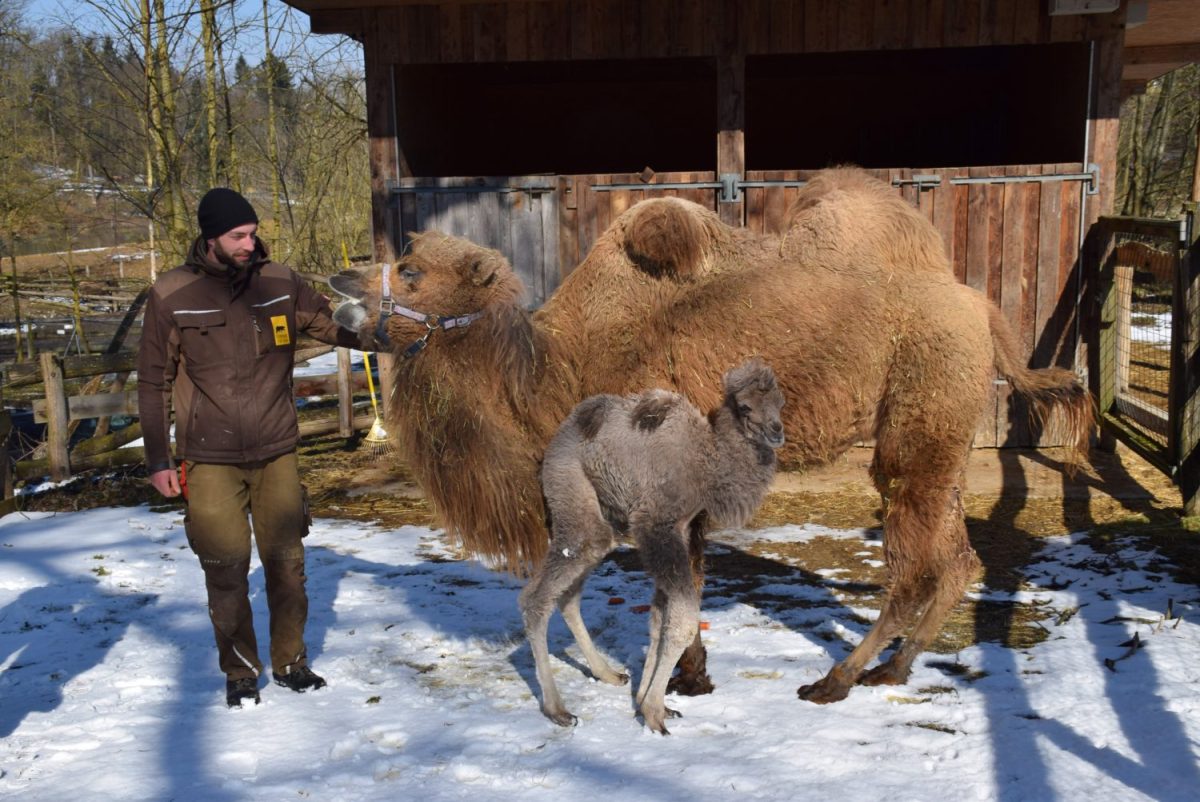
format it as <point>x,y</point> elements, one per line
<point>947,590</point>
<point>675,617</point>
<point>693,678</point>
<point>569,605</point>
<point>929,563</point>
<point>679,622</point>
<point>561,574</point>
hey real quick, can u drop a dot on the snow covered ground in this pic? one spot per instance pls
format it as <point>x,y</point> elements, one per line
<point>109,687</point>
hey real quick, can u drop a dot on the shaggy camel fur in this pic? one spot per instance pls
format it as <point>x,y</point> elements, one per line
<point>649,466</point>
<point>855,308</point>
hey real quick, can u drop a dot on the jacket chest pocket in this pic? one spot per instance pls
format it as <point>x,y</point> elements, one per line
<point>272,331</point>
<point>203,335</point>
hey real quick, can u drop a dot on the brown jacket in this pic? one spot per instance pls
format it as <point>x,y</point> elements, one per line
<point>222,341</point>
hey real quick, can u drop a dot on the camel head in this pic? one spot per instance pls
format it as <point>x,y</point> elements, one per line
<point>754,398</point>
<point>439,280</point>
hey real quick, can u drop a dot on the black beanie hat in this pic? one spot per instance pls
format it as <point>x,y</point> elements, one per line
<point>222,209</point>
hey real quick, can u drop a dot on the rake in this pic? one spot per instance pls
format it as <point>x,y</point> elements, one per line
<point>377,437</point>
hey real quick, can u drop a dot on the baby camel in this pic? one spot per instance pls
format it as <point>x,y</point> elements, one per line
<point>652,467</point>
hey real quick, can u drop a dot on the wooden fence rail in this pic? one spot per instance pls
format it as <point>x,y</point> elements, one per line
<point>58,411</point>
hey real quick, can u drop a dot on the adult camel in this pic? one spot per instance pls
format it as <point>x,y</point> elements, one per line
<point>854,306</point>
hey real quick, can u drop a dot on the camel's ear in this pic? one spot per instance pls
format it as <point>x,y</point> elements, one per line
<point>482,267</point>
<point>666,238</point>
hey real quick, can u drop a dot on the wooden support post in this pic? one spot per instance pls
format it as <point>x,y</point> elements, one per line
<point>6,474</point>
<point>387,163</point>
<point>1187,361</point>
<point>56,418</point>
<point>345,394</point>
<point>1196,169</point>
<point>731,111</point>
<point>387,381</point>
<point>1124,327</point>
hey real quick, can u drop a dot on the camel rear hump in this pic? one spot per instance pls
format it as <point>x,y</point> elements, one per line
<point>844,218</point>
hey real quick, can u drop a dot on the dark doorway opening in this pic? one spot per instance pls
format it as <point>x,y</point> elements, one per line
<point>929,108</point>
<point>582,117</point>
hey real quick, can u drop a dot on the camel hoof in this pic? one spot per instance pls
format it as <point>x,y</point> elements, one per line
<point>823,692</point>
<point>615,679</point>
<point>673,713</point>
<point>656,726</point>
<point>563,719</point>
<point>691,684</point>
<point>884,674</point>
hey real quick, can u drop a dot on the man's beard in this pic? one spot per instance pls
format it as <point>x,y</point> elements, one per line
<point>226,258</point>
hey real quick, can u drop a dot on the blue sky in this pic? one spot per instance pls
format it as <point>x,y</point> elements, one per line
<point>289,29</point>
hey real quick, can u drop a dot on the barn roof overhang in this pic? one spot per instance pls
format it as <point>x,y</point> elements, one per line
<point>1160,35</point>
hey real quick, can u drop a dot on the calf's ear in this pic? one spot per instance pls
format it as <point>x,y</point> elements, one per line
<point>349,284</point>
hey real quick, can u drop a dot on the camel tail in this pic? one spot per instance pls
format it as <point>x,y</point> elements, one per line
<point>1058,401</point>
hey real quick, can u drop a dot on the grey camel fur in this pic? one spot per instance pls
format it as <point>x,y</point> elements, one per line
<point>651,467</point>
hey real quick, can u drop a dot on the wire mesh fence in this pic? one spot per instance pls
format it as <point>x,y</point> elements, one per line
<point>1144,269</point>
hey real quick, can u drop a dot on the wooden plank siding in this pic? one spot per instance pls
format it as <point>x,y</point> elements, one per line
<point>1016,242</point>
<point>558,30</point>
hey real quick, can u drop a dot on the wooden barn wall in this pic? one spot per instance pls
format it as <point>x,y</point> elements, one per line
<point>1018,243</point>
<point>557,30</point>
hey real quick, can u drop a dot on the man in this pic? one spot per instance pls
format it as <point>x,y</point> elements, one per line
<point>219,336</point>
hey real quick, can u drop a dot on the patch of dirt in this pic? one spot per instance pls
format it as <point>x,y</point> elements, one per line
<point>346,480</point>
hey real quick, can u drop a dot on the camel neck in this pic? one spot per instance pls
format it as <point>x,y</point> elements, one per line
<point>743,469</point>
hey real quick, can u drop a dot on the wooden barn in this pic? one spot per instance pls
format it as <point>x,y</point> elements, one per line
<point>530,125</point>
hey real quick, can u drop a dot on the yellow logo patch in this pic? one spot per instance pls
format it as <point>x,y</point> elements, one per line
<point>280,327</point>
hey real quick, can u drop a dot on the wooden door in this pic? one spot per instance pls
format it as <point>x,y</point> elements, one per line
<point>517,216</point>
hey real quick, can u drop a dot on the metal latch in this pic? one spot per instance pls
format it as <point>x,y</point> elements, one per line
<point>731,190</point>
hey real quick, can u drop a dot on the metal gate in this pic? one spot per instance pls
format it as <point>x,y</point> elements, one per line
<point>1149,328</point>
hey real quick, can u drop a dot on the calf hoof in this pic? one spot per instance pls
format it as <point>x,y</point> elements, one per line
<point>823,691</point>
<point>562,719</point>
<point>691,684</point>
<point>656,722</point>
<point>884,674</point>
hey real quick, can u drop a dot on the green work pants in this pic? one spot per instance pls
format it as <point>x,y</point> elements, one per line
<point>222,501</point>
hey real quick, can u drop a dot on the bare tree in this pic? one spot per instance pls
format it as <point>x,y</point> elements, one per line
<point>1157,146</point>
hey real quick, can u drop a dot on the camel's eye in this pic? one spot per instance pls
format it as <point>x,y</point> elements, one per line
<point>743,409</point>
<point>410,275</point>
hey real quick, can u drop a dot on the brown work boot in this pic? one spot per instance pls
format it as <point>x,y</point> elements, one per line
<point>299,679</point>
<point>239,689</point>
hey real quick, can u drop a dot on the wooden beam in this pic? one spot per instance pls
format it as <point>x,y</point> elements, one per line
<point>346,21</point>
<point>309,428</point>
<point>29,469</point>
<point>83,407</point>
<point>1163,54</point>
<point>74,367</point>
